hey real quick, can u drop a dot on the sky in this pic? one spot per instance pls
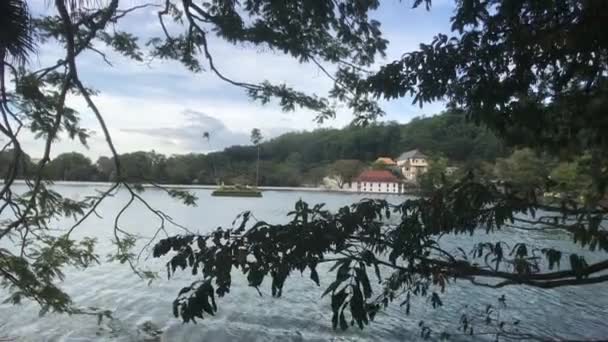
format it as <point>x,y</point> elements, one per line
<point>161,106</point>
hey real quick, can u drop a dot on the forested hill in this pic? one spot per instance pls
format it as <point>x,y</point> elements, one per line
<point>296,158</point>
<point>448,135</point>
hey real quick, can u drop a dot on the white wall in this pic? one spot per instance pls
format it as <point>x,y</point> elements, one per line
<point>376,187</point>
<point>410,172</point>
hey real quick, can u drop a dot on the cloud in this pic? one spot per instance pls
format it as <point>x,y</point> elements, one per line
<point>189,136</point>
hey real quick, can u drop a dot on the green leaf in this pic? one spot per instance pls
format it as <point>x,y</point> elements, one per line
<point>343,324</point>
<point>314,276</point>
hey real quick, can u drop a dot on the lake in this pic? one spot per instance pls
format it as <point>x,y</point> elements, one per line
<point>300,314</point>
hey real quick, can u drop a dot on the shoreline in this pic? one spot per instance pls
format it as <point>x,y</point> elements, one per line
<point>214,187</point>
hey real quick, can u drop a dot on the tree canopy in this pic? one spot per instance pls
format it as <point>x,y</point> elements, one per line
<point>533,72</point>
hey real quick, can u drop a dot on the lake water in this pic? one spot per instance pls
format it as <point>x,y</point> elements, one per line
<point>301,314</point>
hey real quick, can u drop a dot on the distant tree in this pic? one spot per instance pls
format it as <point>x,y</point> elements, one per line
<point>10,169</point>
<point>573,179</point>
<point>314,176</point>
<point>178,170</point>
<point>256,139</point>
<point>143,166</point>
<point>378,165</point>
<point>524,169</point>
<point>435,177</point>
<point>344,171</point>
<point>71,166</point>
<point>106,168</point>
<point>207,136</point>
<point>279,174</point>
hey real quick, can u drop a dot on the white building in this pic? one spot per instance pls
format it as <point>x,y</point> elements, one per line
<point>412,163</point>
<point>376,181</point>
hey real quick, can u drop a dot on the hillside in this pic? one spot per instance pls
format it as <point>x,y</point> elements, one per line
<point>295,158</point>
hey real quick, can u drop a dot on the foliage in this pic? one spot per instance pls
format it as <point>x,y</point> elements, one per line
<point>8,167</point>
<point>435,177</point>
<point>524,170</point>
<point>16,38</point>
<point>256,136</point>
<point>71,167</point>
<point>345,171</point>
<point>573,179</point>
<point>106,168</point>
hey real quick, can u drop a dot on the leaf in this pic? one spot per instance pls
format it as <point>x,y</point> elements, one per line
<point>176,308</point>
<point>184,290</point>
<point>356,306</point>
<point>334,321</point>
<point>343,270</point>
<point>343,324</point>
<point>331,288</point>
<point>336,265</point>
<point>337,300</point>
<point>207,307</point>
<point>364,280</point>
<point>377,270</point>
<point>435,300</point>
<point>43,310</point>
<point>314,276</point>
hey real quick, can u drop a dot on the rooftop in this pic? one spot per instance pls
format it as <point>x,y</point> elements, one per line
<point>385,160</point>
<point>381,176</point>
<point>411,154</point>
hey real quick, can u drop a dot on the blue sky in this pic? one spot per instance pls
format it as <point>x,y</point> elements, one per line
<point>161,106</point>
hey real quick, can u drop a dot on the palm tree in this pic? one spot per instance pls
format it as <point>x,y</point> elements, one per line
<point>207,136</point>
<point>16,36</point>
<point>256,138</point>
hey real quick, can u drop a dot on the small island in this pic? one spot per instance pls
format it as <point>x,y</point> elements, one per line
<point>236,191</point>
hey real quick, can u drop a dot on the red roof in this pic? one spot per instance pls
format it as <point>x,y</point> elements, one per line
<point>377,176</point>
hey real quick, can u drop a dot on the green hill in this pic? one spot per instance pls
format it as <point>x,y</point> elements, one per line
<point>296,158</point>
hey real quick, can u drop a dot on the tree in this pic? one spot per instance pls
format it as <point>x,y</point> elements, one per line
<point>256,139</point>
<point>16,38</point>
<point>573,180</point>
<point>105,166</point>
<point>71,167</point>
<point>8,170</point>
<point>533,72</point>
<point>207,136</point>
<point>149,166</point>
<point>344,171</point>
<point>524,170</point>
<point>435,177</point>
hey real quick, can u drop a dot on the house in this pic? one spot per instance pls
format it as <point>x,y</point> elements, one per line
<point>376,181</point>
<point>412,163</point>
